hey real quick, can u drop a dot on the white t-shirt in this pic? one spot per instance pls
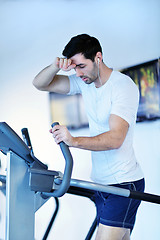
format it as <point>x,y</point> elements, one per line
<point>119,96</point>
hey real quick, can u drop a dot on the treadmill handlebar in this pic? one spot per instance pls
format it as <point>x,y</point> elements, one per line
<point>26,138</point>
<point>64,186</point>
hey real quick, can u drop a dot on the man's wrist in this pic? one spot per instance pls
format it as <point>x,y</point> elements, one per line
<point>75,142</point>
<point>54,67</point>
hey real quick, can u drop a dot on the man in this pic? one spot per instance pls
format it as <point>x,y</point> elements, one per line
<point>111,101</point>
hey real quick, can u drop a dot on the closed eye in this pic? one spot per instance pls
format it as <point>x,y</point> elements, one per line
<point>80,66</point>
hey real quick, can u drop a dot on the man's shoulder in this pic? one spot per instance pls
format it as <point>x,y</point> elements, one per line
<point>122,79</point>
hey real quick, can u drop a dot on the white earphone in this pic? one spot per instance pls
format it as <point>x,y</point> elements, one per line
<point>98,72</point>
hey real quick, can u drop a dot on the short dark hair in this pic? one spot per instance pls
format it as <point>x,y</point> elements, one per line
<point>84,44</point>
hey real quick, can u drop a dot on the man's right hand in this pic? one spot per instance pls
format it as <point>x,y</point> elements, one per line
<point>64,64</point>
<point>49,80</point>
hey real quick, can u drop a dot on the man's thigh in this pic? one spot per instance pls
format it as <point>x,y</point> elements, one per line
<point>112,233</point>
<point>118,211</point>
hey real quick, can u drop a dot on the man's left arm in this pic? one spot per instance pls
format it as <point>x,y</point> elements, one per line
<point>111,139</point>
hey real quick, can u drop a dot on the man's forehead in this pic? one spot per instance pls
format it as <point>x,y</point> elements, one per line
<point>79,58</point>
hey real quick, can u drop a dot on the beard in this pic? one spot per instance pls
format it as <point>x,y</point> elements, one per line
<point>92,75</point>
<point>87,79</point>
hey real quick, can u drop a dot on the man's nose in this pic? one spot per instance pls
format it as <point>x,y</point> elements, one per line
<point>79,73</point>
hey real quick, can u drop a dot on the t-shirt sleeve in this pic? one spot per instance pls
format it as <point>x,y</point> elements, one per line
<point>74,85</point>
<point>125,100</point>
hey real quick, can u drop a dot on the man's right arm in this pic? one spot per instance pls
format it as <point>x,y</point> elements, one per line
<point>49,80</point>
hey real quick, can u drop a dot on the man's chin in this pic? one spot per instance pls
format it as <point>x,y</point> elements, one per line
<point>87,80</point>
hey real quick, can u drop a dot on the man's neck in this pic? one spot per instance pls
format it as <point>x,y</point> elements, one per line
<point>104,75</point>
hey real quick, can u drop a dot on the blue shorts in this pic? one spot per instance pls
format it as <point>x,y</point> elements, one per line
<point>117,211</point>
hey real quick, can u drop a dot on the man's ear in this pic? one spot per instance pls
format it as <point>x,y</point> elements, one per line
<point>98,57</point>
